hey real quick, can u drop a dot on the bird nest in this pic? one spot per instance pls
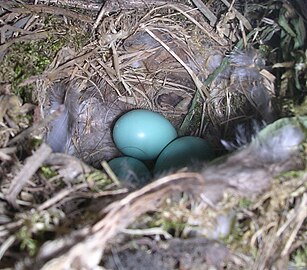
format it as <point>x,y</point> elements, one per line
<point>71,68</point>
<point>155,59</point>
<point>164,59</point>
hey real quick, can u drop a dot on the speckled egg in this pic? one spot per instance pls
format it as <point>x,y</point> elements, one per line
<point>143,134</point>
<point>184,151</point>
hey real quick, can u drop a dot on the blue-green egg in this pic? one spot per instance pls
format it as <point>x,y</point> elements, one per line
<point>182,152</point>
<point>130,170</point>
<point>142,134</point>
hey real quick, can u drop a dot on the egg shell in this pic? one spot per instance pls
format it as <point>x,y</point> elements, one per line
<point>129,169</point>
<point>183,152</point>
<point>142,134</point>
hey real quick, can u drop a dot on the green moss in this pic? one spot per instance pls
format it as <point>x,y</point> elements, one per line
<point>174,227</point>
<point>100,179</point>
<point>32,233</point>
<point>48,172</point>
<point>26,59</point>
<point>27,234</point>
<point>299,257</point>
<point>35,143</point>
<point>74,35</point>
<point>245,203</point>
<point>27,243</point>
<point>293,174</point>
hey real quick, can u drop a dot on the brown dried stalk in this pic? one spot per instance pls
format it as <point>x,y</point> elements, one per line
<point>31,166</point>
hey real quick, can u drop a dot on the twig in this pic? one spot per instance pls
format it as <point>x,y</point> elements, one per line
<point>117,68</point>
<point>4,153</point>
<point>6,245</point>
<point>102,12</point>
<point>31,166</point>
<point>62,194</point>
<point>110,173</point>
<point>204,26</point>
<point>150,231</point>
<point>206,11</point>
<point>82,4</point>
<point>301,216</point>
<point>103,193</point>
<point>60,71</point>
<point>52,10</point>
<point>30,37</point>
<point>246,23</point>
<point>196,80</point>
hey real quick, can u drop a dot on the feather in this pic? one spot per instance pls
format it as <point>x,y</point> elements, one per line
<point>278,141</point>
<point>244,133</point>
<point>58,134</point>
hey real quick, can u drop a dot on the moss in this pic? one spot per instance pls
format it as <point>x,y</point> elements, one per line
<point>27,243</point>
<point>100,179</point>
<point>174,227</point>
<point>292,174</point>
<point>239,236</point>
<point>26,59</point>
<point>245,203</point>
<point>27,234</point>
<point>299,257</point>
<point>48,172</point>
<point>35,228</point>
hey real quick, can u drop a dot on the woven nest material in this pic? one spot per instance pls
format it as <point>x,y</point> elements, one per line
<point>158,59</point>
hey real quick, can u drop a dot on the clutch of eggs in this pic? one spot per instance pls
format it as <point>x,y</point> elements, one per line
<point>146,135</point>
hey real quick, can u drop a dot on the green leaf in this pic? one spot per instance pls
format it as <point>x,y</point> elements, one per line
<point>300,33</point>
<point>283,22</point>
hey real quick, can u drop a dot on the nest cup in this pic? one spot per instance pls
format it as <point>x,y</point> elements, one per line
<point>158,64</point>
